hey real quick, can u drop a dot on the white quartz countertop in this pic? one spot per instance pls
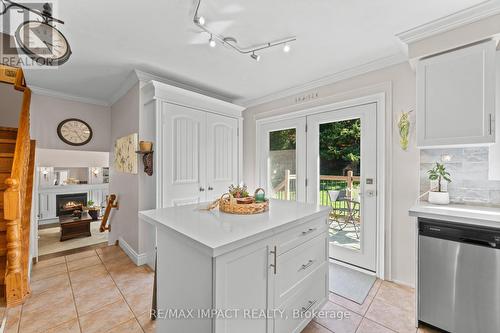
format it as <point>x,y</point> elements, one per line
<point>218,232</point>
<point>476,215</point>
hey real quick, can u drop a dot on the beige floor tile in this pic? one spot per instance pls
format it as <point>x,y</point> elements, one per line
<point>131,326</point>
<point>368,326</point>
<point>96,298</point>
<point>84,263</point>
<point>52,313</point>
<point>96,282</point>
<point>49,271</point>
<point>315,328</point>
<point>41,300</point>
<point>81,255</point>
<point>139,301</point>
<point>344,321</point>
<point>397,295</point>
<point>396,318</point>
<point>49,262</point>
<point>60,281</point>
<point>109,253</point>
<point>148,325</point>
<point>87,275</point>
<point>13,319</point>
<point>71,326</point>
<point>104,319</point>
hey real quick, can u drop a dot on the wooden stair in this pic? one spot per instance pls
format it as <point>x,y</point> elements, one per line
<point>7,148</point>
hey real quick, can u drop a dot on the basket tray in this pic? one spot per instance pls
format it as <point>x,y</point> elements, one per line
<point>228,205</point>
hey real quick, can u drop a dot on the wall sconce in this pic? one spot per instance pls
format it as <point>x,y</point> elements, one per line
<point>44,172</point>
<point>95,171</point>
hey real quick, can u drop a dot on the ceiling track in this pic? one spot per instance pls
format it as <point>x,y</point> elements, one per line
<point>199,21</point>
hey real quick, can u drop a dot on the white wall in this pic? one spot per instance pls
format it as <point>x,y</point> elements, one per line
<point>47,112</point>
<point>398,83</point>
<point>10,105</point>
<point>125,121</point>
<point>71,158</point>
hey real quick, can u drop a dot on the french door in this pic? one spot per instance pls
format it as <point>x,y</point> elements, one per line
<point>341,171</point>
<point>282,162</point>
<point>329,158</point>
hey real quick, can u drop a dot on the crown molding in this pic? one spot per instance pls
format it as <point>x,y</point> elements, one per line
<point>57,94</point>
<point>392,60</point>
<point>466,16</point>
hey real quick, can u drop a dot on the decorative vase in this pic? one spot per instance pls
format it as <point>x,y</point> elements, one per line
<point>94,214</point>
<point>439,198</point>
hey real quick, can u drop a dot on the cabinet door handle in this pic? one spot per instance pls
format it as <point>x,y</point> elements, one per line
<point>308,231</point>
<point>274,252</point>
<point>491,124</point>
<point>305,266</point>
<point>210,188</point>
<point>202,189</point>
<point>309,306</point>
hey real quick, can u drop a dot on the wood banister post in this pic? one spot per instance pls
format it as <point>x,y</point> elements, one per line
<point>13,275</point>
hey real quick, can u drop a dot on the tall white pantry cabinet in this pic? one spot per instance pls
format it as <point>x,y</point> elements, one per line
<point>197,144</point>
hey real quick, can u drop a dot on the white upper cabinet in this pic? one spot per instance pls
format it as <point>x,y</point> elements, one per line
<point>456,97</point>
<point>198,145</point>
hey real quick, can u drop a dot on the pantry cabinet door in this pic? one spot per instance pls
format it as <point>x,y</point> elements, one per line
<point>183,145</point>
<point>222,154</point>
<point>456,97</point>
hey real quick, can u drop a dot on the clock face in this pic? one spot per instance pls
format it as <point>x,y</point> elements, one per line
<point>43,43</point>
<point>74,132</point>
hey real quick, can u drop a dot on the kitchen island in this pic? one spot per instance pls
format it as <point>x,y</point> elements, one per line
<point>219,272</point>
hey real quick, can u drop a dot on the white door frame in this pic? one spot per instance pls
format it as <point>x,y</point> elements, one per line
<point>383,182</point>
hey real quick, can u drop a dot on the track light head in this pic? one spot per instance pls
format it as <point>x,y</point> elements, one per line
<point>212,42</point>
<point>255,57</point>
<point>287,48</point>
<point>199,20</point>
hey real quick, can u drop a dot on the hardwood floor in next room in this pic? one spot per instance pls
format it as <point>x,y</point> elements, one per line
<point>102,290</point>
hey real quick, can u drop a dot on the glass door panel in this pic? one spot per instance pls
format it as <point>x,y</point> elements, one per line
<point>282,171</point>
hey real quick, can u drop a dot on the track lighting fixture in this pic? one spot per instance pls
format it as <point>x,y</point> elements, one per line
<point>200,20</point>
<point>231,42</point>
<point>212,42</point>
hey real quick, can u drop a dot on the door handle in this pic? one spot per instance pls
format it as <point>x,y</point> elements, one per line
<point>309,306</point>
<point>202,189</point>
<point>274,255</point>
<point>210,188</point>
<point>305,266</point>
<point>308,231</point>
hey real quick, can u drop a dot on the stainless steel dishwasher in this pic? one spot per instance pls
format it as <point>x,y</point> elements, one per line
<point>459,277</point>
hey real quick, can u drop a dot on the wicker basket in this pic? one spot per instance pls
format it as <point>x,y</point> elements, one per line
<point>228,204</point>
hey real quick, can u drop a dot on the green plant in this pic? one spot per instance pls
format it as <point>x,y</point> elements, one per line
<point>439,173</point>
<point>238,191</point>
<point>90,203</point>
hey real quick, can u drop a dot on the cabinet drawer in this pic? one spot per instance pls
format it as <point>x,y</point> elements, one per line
<point>311,294</point>
<point>291,238</point>
<point>296,264</point>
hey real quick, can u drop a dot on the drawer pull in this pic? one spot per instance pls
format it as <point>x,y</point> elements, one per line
<point>308,231</point>
<point>309,306</point>
<point>274,254</point>
<point>305,266</point>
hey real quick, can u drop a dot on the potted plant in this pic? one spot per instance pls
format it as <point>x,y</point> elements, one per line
<point>93,211</point>
<point>240,193</point>
<point>438,194</point>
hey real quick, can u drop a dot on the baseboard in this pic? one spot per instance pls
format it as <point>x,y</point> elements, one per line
<point>406,284</point>
<point>138,259</point>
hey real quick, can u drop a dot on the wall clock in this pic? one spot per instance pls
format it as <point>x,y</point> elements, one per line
<point>43,43</point>
<point>74,132</point>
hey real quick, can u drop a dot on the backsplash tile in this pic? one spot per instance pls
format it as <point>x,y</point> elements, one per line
<point>469,174</point>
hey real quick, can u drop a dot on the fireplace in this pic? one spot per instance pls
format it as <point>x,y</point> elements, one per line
<point>67,203</point>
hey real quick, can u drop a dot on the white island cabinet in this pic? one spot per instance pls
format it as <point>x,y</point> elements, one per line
<point>247,269</point>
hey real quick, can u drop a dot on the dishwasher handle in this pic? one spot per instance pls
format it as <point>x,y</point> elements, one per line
<point>478,242</point>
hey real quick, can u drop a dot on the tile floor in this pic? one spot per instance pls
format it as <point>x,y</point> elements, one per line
<point>104,291</point>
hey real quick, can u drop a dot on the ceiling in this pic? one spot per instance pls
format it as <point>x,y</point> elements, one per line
<point>111,38</point>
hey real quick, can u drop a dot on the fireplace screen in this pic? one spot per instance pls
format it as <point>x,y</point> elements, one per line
<point>67,203</point>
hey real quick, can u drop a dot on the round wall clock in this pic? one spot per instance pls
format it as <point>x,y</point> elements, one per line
<point>74,132</point>
<point>43,43</point>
